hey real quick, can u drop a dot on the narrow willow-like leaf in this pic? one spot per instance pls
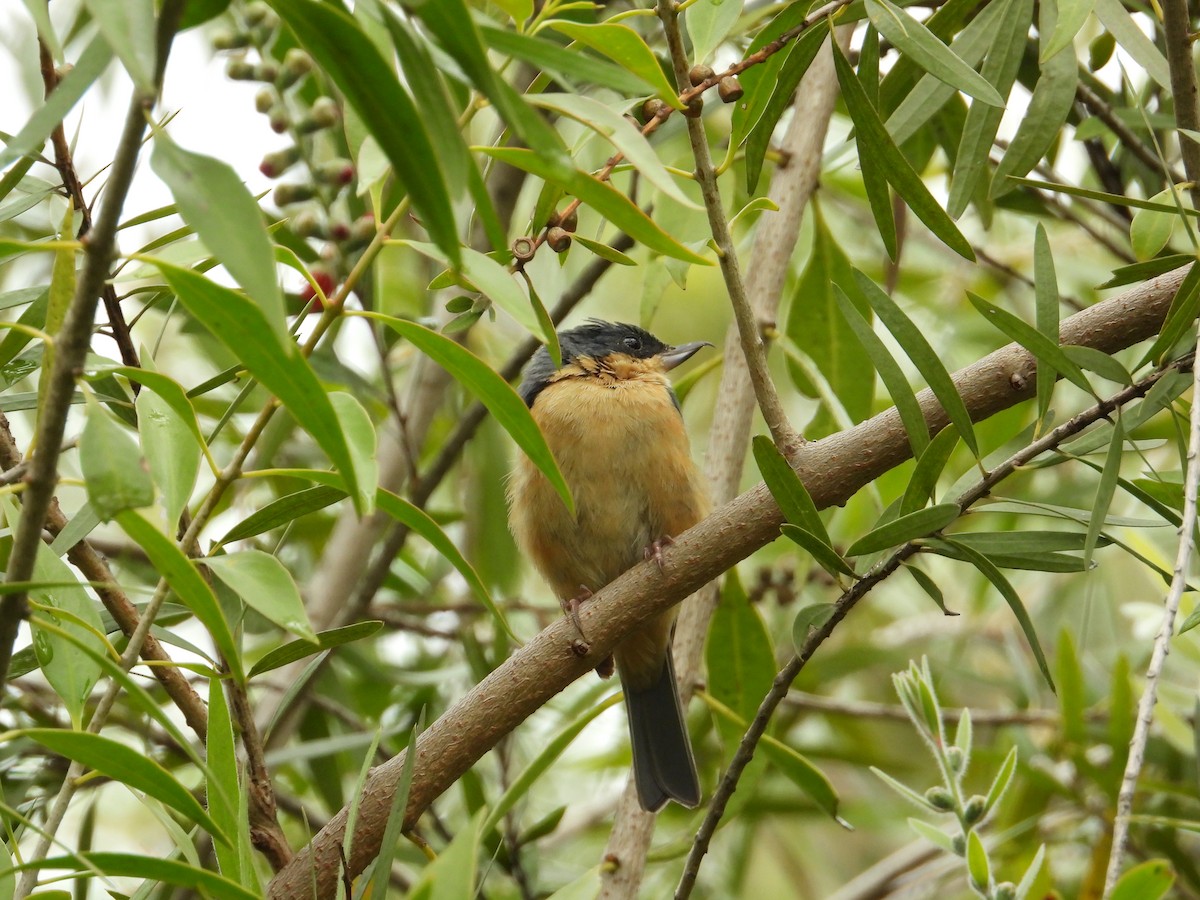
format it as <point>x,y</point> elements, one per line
<point>265,585</point>
<point>283,510</point>
<point>1046,293</point>
<point>382,874</point>
<point>152,869</point>
<point>1044,348</point>
<point>626,48</point>
<point>113,468</point>
<point>905,528</point>
<point>709,23</point>
<point>127,765</point>
<point>1105,490</point>
<point>241,326</point>
<point>1117,20</point>
<point>929,586</point>
<point>789,492</point>
<point>1144,271</point>
<point>739,658</point>
<point>87,68</point>
<point>602,197</point>
<point>919,44</point>
<point>573,66</point>
<point>923,481</point>
<point>1181,317</point>
<point>1069,677</point>
<point>604,251</point>
<point>370,85</point>
<point>890,373</point>
<point>923,356</point>
<point>186,581</point>
<point>1011,597</point>
<point>874,139</point>
<point>294,651</point>
<point>758,82</point>
<point>222,785</point>
<point>1000,68</point>
<point>821,552</point>
<point>212,199</point>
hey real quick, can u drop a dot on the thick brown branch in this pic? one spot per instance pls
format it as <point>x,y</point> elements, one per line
<point>833,469</point>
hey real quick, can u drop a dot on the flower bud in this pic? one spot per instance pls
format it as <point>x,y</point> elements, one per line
<point>955,759</point>
<point>239,70</point>
<point>940,798</point>
<point>266,71</point>
<point>306,224</point>
<point>335,171</point>
<point>264,100</point>
<point>278,119</point>
<point>230,40</point>
<point>277,162</point>
<point>296,64</point>
<point>287,194</point>
<point>974,809</point>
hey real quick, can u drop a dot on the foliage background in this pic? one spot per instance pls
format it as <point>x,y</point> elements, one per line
<point>437,639</point>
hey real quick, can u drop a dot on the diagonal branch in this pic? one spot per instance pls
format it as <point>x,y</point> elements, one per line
<point>833,469</point>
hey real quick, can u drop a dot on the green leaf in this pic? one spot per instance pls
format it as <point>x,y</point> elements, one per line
<point>1000,68</point>
<point>1151,229</point>
<point>326,640</point>
<point>171,392</point>
<point>518,790</point>
<point>758,82</point>
<point>1046,291</point>
<point>604,198</point>
<point>496,283</point>
<point>170,449</point>
<point>362,441</point>
<point>785,485</point>
<point>978,866</point>
<point>452,875</point>
<point>241,326</point>
<point>186,581</point>
<point>929,586</point>
<point>615,128</point>
<point>221,788</point>
<point>1029,879</point>
<point>903,790</point>
<point>1092,360</point>
<point>282,511</point>
<point>816,326</point>
<point>1181,317</point>
<point>87,68</point>
<point>8,880</point>
<point>212,199</point>
<point>1144,271</point>
<point>371,87</point>
<point>933,834</point>
<point>905,528</point>
<point>1117,20</point>
<point>991,543</point>
<point>920,45</point>
<point>128,765</point>
<point>152,869</point>
<point>801,771</point>
<point>113,468</point>
<point>1071,16</point>
<point>265,585</point>
<point>890,373</point>
<point>452,23</point>
<point>799,57</point>
<point>625,47</point>
<point>1002,780</point>
<point>490,389</point>
<point>128,26</point>
<point>876,145</point>
<point>1069,677</point>
<point>1045,349</point>
<point>923,481</point>
<point>571,66</point>
<point>824,555</point>
<point>604,251</point>
<point>739,659</point>
<point>709,23</point>
<point>1051,103</point>
<point>382,873</point>
<point>923,356</point>
<point>1105,490</point>
<point>989,570</point>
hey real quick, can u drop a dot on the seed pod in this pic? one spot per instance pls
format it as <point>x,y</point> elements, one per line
<point>694,108</point>
<point>699,74</point>
<point>523,249</point>
<point>651,108</point>
<point>729,89</point>
<point>558,239</point>
<point>570,221</point>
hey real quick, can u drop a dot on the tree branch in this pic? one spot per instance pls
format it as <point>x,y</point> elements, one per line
<point>1177,30</point>
<point>833,469</point>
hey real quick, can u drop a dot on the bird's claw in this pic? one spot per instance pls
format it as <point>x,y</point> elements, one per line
<point>570,608</point>
<point>654,550</point>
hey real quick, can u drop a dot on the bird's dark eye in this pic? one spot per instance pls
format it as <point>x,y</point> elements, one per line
<point>632,343</point>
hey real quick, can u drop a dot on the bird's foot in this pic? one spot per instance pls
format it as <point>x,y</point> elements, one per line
<point>571,606</point>
<point>654,550</point>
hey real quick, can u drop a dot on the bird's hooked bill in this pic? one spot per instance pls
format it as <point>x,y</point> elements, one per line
<point>675,356</point>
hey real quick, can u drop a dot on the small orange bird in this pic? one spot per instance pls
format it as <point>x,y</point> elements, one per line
<point>613,423</point>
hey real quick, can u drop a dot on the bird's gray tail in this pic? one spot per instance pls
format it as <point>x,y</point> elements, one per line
<point>663,766</point>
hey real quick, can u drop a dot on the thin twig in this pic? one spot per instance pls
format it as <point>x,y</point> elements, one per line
<point>862,709</point>
<point>878,573</point>
<point>1162,641</point>
<point>786,438</point>
<point>1127,138</point>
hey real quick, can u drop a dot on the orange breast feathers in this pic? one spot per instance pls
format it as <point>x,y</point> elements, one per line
<point>621,445</point>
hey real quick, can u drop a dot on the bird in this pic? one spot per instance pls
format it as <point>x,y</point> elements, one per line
<point>614,425</point>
